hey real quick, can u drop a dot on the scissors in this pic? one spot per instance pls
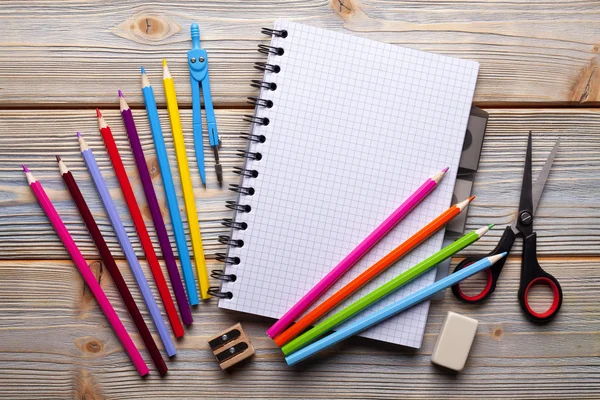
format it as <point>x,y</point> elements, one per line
<point>198,63</point>
<point>531,272</point>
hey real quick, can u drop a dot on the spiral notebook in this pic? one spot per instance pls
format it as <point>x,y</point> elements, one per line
<point>344,130</point>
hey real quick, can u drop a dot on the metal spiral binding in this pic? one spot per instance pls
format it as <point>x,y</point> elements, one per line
<point>235,206</point>
<point>265,49</point>
<point>242,189</point>
<point>215,291</point>
<point>257,83</point>
<point>249,173</point>
<point>253,138</point>
<point>257,120</point>
<point>252,155</point>
<point>229,223</point>
<point>261,66</point>
<point>256,101</point>
<point>227,260</point>
<point>273,32</point>
<point>249,154</point>
<point>219,274</point>
<point>225,239</point>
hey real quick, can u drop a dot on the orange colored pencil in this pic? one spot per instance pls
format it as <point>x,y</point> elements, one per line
<point>372,272</point>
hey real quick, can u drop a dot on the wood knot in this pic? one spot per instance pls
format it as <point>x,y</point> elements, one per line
<point>585,88</point>
<point>146,212</point>
<point>153,167</point>
<point>93,346</point>
<point>86,387</point>
<point>497,332</point>
<point>144,28</point>
<point>87,300</point>
<point>89,345</point>
<point>344,8</point>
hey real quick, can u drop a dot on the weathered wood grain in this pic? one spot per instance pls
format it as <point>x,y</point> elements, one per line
<point>55,342</point>
<point>568,219</point>
<point>73,53</point>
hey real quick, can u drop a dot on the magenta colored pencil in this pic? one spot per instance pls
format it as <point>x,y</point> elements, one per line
<point>159,223</point>
<point>87,275</point>
<point>356,254</point>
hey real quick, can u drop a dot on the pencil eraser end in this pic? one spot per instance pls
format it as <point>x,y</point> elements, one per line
<point>454,341</point>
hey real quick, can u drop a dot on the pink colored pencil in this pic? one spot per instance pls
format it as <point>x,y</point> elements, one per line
<point>356,254</point>
<point>86,273</point>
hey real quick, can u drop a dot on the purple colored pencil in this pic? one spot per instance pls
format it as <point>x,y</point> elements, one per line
<point>159,223</point>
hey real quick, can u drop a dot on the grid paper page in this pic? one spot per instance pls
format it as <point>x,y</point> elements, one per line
<point>356,127</point>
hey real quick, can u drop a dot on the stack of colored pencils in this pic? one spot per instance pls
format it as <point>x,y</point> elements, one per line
<point>178,312</point>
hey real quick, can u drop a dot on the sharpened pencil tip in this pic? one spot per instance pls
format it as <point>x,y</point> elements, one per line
<point>164,62</point>
<point>490,226</point>
<point>25,168</point>
<point>98,113</point>
<point>58,159</point>
<point>438,177</point>
<point>445,169</point>
<point>143,70</point>
<point>120,94</point>
<point>78,134</point>
<point>471,198</point>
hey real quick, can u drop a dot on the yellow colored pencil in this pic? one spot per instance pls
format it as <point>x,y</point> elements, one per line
<point>186,181</point>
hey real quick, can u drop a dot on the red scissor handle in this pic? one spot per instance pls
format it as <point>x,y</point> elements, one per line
<point>531,275</point>
<point>487,290</point>
<point>493,273</point>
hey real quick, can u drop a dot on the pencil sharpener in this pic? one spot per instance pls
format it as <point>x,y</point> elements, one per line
<point>231,346</point>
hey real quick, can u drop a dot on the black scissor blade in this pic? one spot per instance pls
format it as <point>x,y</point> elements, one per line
<point>526,201</point>
<point>540,181</point>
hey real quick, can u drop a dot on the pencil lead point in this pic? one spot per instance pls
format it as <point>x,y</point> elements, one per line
<point>483,230</point>
<point>120,94</point>
<point>445,169</point>
<point>98,113</point>
<point>143,70</point>
<point>495,258</point>
<point>25,168</point>
<point>164,62</point>
<point>438,177</point>
<point>58,159</point>
<point>463,204</point>
<point>78,134</point>
<point>490,226</point>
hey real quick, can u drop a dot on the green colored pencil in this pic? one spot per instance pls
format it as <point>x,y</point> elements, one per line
<point>383,291</point>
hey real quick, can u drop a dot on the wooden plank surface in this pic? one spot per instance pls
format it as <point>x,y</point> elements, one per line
<point>62,348</point>
<point>566,224</point>
<point>530,51</point>
<point>61,59</point>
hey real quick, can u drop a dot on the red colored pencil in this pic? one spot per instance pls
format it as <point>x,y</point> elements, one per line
<point>112,267</point>
<point>140,226</point>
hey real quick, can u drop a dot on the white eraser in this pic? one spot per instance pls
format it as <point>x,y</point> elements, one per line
<point>454,341</point>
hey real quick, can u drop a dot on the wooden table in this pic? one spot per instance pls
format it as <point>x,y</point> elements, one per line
<point>61,59</point>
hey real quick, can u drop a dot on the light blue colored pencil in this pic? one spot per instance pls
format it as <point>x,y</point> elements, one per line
<point>392,309</point>
<point>119,229</point>
<point>167,179</point>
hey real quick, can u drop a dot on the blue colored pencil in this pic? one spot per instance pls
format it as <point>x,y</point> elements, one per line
<point>167,179</point>
<point>392,309</point>
<point>119,229</point>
